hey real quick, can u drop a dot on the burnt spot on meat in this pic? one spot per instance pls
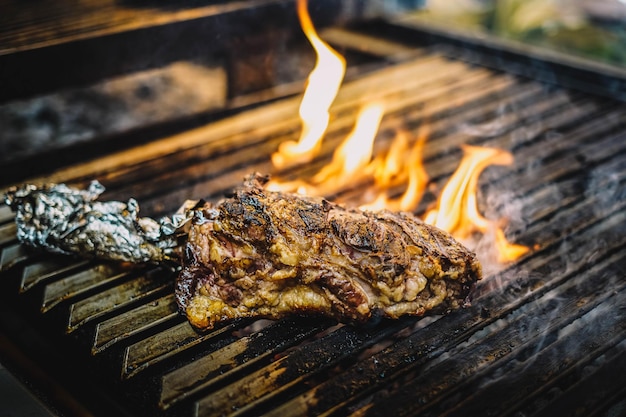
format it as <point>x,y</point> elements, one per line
<point>313,222</point>
<point>336,226</point>
<point>249,200</point>
<point>247,213</point>
<point>361,236</point>
<point>232,208</point>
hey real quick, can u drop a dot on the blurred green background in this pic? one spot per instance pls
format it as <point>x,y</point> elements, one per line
<point>594,29</point>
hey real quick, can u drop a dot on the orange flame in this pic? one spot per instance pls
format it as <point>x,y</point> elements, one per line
<point>401,164</point>
<point>508,252</point>
<point>355,152</point>
<point>322,87</point>
<point>418,178</point>
<point>457,208</point>
<point>350,158</point>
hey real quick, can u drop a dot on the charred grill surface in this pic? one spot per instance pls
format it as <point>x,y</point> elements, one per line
<point>545,335</point>
<point>269,254</point>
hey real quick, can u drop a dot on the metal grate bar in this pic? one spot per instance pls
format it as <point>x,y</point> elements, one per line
<point>118,297</point>
<point>591,391</point>
<point>155,348</point>
<point>11,256</point>
<point>81,282</point>
<point>525,332</point>
<point>132,322</point>
<point>7,233</point>
<point>46,270</point>
<point>237,357</point>
<point>6,214</point>
<point>293,368</point>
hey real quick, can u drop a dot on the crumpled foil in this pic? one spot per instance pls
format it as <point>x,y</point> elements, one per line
<point>61,219</point>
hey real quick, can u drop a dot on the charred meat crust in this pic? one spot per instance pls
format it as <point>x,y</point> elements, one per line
<point>259,253</point>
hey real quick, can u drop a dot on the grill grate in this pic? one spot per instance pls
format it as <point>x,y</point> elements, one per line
<point>546,333</point>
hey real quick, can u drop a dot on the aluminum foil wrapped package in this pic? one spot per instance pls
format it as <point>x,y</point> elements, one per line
<point>66,220</point>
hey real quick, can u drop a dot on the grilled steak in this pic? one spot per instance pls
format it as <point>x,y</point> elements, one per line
<point>268,254</point>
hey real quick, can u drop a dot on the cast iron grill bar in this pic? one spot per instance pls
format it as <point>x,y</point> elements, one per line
<point>157,347</point>
<point>295,367</point>
<point>6,215</point>
<point>122,326</point>
<point>7,233</point>
<point>145,285</point>
<point>46,270</point>
<point>240,356</point>
<point>592,386</point>
<point>12,255</point>
<point>546,371</point>
<point>443,379</point>
<point>87,280</point>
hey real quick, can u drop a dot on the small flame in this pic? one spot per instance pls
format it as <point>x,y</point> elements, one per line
<point>322,87</point>
<point>457,209</point>
<point>508,252</point>
<point>350,158</point>
<point>400,165</point>
<point>355,152</point>
<point>418,178</point>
